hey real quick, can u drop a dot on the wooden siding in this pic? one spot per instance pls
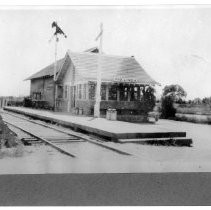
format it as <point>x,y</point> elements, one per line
<point>46,87</point>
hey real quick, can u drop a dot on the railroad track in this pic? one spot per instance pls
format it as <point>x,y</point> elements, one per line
<point>54,136</point>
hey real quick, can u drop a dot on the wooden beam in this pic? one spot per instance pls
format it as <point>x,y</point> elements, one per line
<point>118,94</point>
<point>107,92</point>
<point>129,94</point>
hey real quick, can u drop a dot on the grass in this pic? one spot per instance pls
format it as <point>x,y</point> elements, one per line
<point>194,118</point>
<point>193,113</point>
<point>193,109</point>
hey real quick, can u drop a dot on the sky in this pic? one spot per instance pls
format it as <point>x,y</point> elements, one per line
<point>173,44</point>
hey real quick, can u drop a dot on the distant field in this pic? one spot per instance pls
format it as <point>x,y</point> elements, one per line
<point>193,109</point>
<point>191,113</point>
<point>194,113</point>
<point>195,118</point>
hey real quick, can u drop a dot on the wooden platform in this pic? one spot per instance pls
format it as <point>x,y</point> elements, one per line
<point>175,141</point>
<point>111,130</point>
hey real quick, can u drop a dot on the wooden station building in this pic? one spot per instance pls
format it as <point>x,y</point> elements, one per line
<point>123,83</point>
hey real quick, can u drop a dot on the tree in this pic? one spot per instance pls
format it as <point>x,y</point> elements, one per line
<point>176,92</point>
<point>148,99</point>
<point>189,102</point>
<point>171,94</point>
<point>197,101</point>
<point>206,100</point>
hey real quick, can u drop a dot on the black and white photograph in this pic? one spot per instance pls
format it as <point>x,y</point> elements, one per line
<point>106,91</point>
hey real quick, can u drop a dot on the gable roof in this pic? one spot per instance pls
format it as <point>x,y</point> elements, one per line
<point>93,50</point>
<point>48,71</point>
<point>114,68</point>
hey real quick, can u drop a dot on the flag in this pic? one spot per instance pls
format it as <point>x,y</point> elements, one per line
<point>101,32</point>
<point>58,29</point>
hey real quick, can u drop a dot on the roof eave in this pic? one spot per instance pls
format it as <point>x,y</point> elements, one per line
<point>126,82</point>
<point>31,78</point>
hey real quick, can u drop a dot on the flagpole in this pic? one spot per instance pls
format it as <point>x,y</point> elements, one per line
<point>58,31</point>
<point>99,71</point>
<point>55,57</point>
<point>55,69</point>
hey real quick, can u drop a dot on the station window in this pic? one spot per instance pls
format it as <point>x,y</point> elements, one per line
<point>37,95</point>
<point>80,91</point>
<point>134,93</point>
<point>92,90</point>
<point>84,91</point>
<point>77,91</point>
<point>65,91</point>
<point>60,91</point>
<point>123,96</point>
<point>112,95</point>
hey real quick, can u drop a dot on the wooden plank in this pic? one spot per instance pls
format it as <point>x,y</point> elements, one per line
<point>61,138</point>
<point>150,139</point>
<point>108,134</point>
<point>161,141</point>
<point>149,135</point>
<point>66,141</point>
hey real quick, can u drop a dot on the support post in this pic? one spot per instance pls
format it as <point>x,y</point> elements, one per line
<point>118,93</point>
<point>54,75</point>
<point>98,89</point>
<point>107,91</point>
<point>129,93</point>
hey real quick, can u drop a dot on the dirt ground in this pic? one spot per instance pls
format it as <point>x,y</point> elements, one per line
<point>145,158</point>
<point>7,137</point>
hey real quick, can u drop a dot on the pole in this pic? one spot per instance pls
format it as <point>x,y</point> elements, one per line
<point>99,71</point>
<point>55,70</point>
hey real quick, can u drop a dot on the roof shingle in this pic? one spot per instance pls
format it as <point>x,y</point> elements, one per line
<point>114,68</point>
<point>47,71</point>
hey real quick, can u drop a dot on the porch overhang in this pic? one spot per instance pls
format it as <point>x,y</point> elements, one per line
<point>130,81</point>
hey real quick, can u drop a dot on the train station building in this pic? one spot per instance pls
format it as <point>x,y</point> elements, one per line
<point>124,82</point>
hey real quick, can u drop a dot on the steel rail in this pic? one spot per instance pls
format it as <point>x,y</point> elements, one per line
<point>42,139</point>
<point>75,135</point>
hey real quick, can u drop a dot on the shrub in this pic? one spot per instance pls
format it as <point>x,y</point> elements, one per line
<point>167,107</point>
<point>148,99</point>
<point>208,119</point>
<point>27,102</point>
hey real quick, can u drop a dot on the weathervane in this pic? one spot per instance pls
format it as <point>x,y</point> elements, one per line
<point>58,31</point>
